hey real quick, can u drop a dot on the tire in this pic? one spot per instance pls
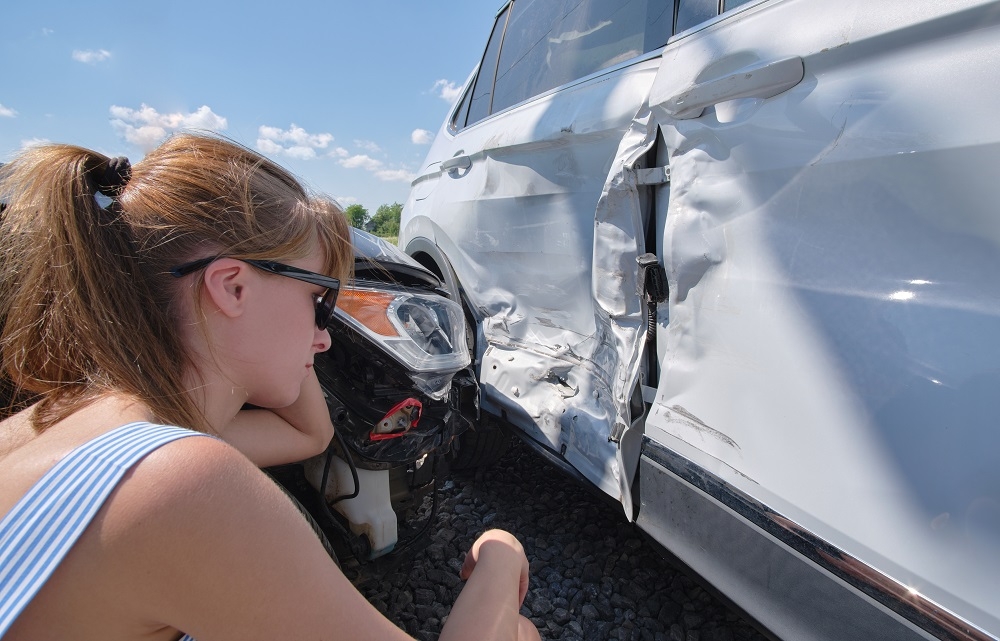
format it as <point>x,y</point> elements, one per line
<point>480,447</point>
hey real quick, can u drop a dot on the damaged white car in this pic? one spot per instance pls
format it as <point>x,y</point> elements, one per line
<point>737,264</point>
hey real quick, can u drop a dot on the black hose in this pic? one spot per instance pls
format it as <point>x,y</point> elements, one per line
<point>430,520</point>
<point>350,463</point>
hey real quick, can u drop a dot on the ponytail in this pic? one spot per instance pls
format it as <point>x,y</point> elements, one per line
<point>77,321</point>
<point>87,242</point>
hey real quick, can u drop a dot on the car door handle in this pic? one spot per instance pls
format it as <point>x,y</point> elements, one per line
<point>762,80</point>
<point>458,162</point>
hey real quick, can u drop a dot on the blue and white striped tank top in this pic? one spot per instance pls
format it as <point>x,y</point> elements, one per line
<point>41,528</point>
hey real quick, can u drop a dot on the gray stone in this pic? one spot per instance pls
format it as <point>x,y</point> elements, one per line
<point>693,620</point>
<point>541,606</point>
<point>592,578</point>
<point>592,573</point>
<point>404,599</point>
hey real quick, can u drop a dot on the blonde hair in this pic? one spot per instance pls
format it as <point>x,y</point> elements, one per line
<point>87,303</point>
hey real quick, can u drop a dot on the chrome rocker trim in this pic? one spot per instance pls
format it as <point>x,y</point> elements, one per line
<point>900,599</point>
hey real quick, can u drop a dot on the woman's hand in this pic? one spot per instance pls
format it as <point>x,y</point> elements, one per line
<point>495,542</point>
<point>496,571</point>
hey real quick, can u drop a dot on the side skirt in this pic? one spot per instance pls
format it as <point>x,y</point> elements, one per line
<point>791,581</point>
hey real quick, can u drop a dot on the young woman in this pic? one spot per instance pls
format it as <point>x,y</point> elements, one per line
<point>205,284</point>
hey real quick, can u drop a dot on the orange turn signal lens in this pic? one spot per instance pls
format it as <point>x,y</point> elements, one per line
<point>369,308</point>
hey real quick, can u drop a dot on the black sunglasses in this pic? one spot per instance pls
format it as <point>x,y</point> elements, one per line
<point>325,304</point>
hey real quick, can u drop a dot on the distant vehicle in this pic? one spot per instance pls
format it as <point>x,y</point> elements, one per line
<point>735,264</point>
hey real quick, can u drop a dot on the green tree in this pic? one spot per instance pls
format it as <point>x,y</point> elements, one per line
<point>386,219</point>
<point>357,215</point>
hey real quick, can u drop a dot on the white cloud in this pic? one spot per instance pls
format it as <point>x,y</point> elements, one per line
<point>421,137</point>
<point>368,145</point>
<point>395,175</point>
<point>295,142</point>
<point>375,166</point>
<point>268,147</point>
<point>91,57</point>
<point>339,152</point>
<point>300,152</point>
<point>7,112</point>
<point>145,127</point>
<point>345,201</point>
<point>447,90</point>
<point>362,161</point>
<point>47,32</point>
<point>33,142</point>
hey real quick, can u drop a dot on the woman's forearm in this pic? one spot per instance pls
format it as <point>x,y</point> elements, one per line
<point>284,435</point>
<point>487,608</point>
<point>309,414</point>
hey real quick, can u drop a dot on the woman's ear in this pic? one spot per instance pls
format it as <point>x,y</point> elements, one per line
<point>225,285</point>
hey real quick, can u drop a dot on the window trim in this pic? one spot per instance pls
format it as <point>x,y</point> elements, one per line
<point>712,21</point>
<point>503,38</point>
<point>470,83</point>
<point>649,55</point>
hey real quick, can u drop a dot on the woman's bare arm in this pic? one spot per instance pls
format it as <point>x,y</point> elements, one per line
<point>487,608</point>
<point>212,548</point>
<point>284,435</point>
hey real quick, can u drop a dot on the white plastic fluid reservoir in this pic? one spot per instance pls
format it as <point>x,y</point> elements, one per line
<point>370,513</point>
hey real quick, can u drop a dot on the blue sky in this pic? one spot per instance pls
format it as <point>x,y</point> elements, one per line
<point>345,94</point>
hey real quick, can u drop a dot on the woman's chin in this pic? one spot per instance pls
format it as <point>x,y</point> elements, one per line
<point>274,400</point>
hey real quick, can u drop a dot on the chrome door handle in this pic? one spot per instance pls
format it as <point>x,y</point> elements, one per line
<point>458,162</point>
<point>762,80</point>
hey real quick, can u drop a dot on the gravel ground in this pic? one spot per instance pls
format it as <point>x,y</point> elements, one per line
<point>593,576</point>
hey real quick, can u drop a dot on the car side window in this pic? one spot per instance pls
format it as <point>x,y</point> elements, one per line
<point>462,113</point>
<point>693,12</point>
<point>482,93</point>
<point>537,45</point>
<point>551,42</point>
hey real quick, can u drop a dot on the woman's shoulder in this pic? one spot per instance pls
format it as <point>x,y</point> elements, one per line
<point>185,476</point>
<point>201,524</point>
<point>182,510</point>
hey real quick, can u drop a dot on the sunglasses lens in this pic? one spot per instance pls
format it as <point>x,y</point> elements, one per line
<point>325,307</point>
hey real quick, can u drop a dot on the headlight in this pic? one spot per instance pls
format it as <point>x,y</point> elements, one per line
<point>424,332</point>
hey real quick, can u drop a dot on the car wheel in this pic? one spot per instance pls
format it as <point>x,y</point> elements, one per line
<point>480,447</point>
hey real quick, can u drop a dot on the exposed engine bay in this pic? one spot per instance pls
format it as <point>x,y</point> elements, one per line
<point>400,390</point>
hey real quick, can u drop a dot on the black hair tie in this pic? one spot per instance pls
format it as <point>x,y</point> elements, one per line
<point>111,178</point>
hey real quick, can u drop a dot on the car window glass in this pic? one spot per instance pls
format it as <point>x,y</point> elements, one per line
<point>659,23</point>
<point>551,42</point>
<point>482,94</point>
<point>462,113</point>
<point>692,12</point>
<point>732,4</point>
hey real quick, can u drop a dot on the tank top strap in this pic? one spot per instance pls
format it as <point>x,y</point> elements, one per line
<point>42,527</point>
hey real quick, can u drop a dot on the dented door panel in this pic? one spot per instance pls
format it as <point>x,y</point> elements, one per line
<point>832,251</point>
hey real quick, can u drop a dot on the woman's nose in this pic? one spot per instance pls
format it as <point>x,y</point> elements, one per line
<point>323,340</point>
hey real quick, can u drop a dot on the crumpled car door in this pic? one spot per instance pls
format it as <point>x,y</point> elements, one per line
<point>832,246</point>
<point>513,207</point>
